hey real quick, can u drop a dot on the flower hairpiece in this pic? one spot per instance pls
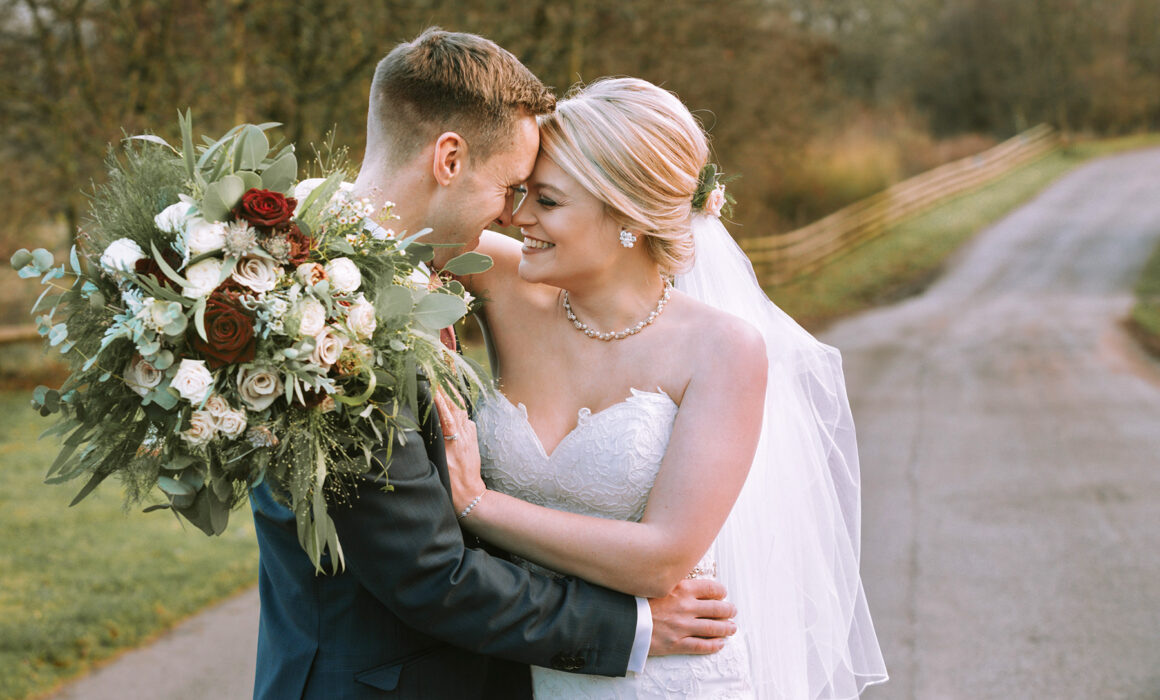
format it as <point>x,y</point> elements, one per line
<point>711,197</point>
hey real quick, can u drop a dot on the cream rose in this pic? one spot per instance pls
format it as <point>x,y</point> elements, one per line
<point>258,274</point>
<point>303,189</point>
<point>328,347</point>
<point>360,318</point>
<point>217,406</point>
<point>203,278</point>
<point>121,255</point>
<point>142,377</point>
<point>259,387</point>
<point>201,429</point>
<point>310,274</point>
<point>203,236</point>
<point>344,275</point>
<point>715,202</point>
<point>311,317</point>
<point>172,218</point>
<point>193,381</point>
<point>232,423</point>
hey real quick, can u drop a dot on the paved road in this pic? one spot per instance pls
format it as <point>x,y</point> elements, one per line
<point>1010,443</point>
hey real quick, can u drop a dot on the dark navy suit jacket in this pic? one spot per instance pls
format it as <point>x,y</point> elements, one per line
<point>417,613</point>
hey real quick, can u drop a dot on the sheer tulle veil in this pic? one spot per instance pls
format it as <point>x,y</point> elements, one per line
<point>789,551</point>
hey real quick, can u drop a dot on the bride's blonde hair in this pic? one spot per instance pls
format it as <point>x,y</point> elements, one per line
<point>635,147</point>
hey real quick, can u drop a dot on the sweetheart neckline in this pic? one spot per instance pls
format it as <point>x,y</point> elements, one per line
<point>583,416</point>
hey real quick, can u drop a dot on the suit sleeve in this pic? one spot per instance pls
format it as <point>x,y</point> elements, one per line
<point>405,546</point>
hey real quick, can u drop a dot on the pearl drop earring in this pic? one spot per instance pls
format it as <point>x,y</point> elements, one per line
<point>627,239</point>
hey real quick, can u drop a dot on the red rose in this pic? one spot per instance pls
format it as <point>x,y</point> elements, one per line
<point>265,209</point>
<point>229,334</point>
<point>147,266</point>
<point>300,244</point>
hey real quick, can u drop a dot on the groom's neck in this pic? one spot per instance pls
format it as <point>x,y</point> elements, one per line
<point>380,183</point>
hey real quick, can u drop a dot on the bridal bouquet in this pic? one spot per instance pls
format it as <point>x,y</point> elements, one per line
<point>225,325</point>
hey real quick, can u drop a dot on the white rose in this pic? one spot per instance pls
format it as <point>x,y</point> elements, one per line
<point>203,277</point>
<point>172,218</point>
<point>217,406</point>
<point>311,317</point>
<point>192,381</point>
<point>201,429</point>
<point>259,388</point>
<point>232,424</point>
<point>303,189</point>
<point>258,274</point>
<point>141,376</point>
<point>310,274</point>
<point>328,347</point>
<point>204,236</point>
<point>121,255</point>
<point>360,318</point>
<point>344,275</point>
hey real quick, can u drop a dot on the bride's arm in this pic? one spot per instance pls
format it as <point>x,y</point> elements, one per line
<point>713,442</point>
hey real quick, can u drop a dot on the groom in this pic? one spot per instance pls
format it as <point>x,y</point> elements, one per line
<point>451,133</point>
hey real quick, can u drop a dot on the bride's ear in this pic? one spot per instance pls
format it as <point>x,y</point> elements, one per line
<point>450,157</point>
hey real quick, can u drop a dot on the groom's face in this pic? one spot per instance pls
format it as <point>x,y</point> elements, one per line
<point>484,196</point>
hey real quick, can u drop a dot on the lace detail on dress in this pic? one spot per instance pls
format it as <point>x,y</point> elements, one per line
<point>604,467</point>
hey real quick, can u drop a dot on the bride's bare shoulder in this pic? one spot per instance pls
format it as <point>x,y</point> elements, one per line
<point>721,338</point>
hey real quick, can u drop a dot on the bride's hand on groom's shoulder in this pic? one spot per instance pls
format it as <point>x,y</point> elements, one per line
<point>694,618</point>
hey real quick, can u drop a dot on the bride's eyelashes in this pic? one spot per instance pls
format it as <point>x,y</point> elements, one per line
<point>545,202</point>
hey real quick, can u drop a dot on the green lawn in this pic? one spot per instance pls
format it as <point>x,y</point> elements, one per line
<point>1145,322</point>
<point>906,259</point>
<point>81,584</point>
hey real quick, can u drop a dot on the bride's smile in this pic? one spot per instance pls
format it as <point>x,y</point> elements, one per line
<point>533,244</point>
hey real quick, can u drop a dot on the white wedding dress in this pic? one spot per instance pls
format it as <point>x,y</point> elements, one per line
<point>604,467</point>
<point>789,552</point>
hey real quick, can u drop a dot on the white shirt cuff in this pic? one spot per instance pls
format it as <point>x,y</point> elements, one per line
<point>643,639</point>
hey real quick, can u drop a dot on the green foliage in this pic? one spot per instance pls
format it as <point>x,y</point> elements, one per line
<point>1145,319</point>
<point>84,583</point>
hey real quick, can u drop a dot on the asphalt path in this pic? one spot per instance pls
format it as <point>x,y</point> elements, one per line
<point>1010,441</point>
<point>1010,445</point>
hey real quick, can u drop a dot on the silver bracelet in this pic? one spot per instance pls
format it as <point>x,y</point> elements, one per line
<point>470,506</point>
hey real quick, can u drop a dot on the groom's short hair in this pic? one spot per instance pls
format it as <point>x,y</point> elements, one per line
<point>449,81</point>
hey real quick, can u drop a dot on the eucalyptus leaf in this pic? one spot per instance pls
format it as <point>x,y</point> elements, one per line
<point>21,258</point>
<point>469,263</point>
<point>436,311</point>
<point>279,176</point>
<point>393,300</point>
<point>93,483</point>
<point>42,259</point>
<point>173,487</point>
<point>154,139</point>
<point>251,179</point>
<point>252,147</point>
<point>187,152</point>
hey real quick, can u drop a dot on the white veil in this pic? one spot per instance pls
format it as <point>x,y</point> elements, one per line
<point>789,551</point>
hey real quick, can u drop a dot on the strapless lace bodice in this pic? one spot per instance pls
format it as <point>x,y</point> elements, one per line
<point>604,467</point>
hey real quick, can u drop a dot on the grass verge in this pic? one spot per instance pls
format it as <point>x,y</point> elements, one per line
<point>907,258</point>
<point>84,583</point>
<point>1145,319</point>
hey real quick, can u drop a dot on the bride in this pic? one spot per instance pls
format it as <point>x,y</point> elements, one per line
<point>644,431</point>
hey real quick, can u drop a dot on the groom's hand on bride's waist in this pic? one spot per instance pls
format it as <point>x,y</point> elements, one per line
<point>694,619</point>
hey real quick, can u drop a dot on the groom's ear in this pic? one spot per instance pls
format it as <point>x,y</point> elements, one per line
<point>450,157</point>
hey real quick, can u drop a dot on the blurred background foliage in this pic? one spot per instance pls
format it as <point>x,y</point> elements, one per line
<point>816,103</point>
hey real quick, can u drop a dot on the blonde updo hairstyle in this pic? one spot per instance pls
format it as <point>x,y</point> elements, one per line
<point>635,147</point>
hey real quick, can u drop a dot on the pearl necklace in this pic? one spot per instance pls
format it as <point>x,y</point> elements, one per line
<point>616,335</point>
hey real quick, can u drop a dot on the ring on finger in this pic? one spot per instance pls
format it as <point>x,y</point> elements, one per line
<point>453,436</point>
